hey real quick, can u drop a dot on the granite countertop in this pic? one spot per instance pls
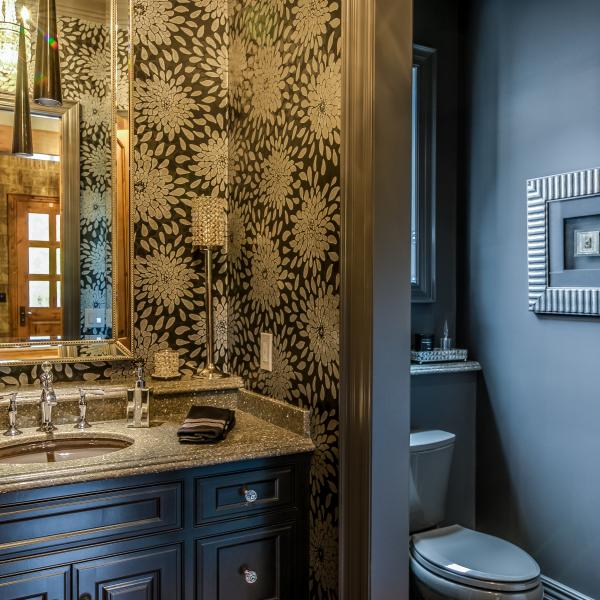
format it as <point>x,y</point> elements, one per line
<point>282,430</point>
<point>441,368</point>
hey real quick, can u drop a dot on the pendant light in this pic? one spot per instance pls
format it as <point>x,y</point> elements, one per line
<point>22,138</point>
<point>46,82</point>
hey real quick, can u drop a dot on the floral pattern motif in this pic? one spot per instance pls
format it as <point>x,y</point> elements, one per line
<point>180,151</point>
<point>85,62</point>
<point>284,219</point>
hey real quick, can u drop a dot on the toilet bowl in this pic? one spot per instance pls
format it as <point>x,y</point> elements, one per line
<point>455,562</point>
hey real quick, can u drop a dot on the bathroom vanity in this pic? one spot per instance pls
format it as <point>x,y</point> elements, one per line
<point>231,531</point>
<point>159,519</point>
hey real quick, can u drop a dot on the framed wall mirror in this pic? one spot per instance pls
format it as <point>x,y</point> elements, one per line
<point>65,219</point>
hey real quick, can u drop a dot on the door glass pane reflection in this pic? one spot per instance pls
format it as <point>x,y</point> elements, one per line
<point>39,294</point>
<point>39,261</point>
<point>39,227</point>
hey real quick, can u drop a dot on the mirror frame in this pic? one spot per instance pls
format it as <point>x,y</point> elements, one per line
<point>69,351</point>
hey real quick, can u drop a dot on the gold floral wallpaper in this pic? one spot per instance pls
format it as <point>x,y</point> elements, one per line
<point>242,99</point>
<point>180,151</point>
<point>284,224</point>
<point>85,71</point>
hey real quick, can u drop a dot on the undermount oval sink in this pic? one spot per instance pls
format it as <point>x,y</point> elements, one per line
<point>59,450</point>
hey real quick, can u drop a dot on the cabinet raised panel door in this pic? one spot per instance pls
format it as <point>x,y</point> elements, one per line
<point>47,584</point>
<point>147,575</point>
<point>252,565</point>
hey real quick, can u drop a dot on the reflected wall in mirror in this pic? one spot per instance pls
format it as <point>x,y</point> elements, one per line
<point>65,212</point>
<point>424,174</point>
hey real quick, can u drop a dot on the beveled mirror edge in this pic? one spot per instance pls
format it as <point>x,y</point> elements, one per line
<point>67,351</point>
<point>70,116</point>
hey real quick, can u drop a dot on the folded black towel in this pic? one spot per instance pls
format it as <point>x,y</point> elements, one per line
<point>206,424</point>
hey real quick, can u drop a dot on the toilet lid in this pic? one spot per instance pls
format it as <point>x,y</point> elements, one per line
<point>463,554</point>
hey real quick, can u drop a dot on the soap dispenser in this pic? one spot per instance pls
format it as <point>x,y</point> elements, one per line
<point>138,401</point>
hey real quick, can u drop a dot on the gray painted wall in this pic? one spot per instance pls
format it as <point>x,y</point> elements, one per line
<point>534,96</point>
<point>436,25</point>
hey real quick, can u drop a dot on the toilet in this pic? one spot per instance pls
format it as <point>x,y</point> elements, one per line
<point>455,562</point>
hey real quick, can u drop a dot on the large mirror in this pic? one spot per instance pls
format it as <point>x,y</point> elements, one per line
<point>65,259</point>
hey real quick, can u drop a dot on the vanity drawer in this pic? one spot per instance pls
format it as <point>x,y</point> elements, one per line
<point>250,565</point>
<point>80,518</point>
<point>239,494</point>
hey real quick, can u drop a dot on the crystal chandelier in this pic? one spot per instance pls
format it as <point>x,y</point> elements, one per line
<point>9,43</point>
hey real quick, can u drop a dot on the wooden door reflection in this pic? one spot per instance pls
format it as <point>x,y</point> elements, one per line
<point>35,289</point>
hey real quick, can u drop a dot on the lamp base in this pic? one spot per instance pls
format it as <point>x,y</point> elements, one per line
<point>209,372</point>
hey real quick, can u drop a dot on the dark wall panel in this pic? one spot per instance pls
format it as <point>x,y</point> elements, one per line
<point>534,92</point>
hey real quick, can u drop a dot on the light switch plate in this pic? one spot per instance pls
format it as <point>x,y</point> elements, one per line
<point>95,318</point>
<point>266,351</point>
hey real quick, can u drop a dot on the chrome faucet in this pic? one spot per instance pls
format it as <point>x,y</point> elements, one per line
<point>82,422</point>
<point>12,415</point>
<point>48,399</point>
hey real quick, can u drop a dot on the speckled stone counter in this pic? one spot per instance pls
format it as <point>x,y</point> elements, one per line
<point>445,368</point>
<point>264,428</point>
<point>172,399</point>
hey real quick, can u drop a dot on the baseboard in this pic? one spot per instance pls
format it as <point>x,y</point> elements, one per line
<point>554,590</point>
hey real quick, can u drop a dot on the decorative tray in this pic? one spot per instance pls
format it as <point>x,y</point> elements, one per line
<point>438,355</point>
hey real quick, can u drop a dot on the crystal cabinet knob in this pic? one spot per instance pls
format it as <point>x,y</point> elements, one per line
<point>250,496</point>
<point>250,577</point>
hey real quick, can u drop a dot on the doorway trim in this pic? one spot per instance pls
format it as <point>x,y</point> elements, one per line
<point>375,319</point>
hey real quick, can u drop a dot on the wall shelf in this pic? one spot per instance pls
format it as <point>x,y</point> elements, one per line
<point>445,368</point>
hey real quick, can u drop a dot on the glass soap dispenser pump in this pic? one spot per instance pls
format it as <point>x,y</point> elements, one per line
<point>138,400</point>
<point>446,342</point>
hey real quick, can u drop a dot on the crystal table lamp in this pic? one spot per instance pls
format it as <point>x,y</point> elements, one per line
<point>209,231</point>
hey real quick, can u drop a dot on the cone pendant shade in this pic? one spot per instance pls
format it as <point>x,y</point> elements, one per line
<point>22,140</point>
<point>47,89</point>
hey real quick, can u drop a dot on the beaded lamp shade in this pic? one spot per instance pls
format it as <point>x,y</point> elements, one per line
<point>209,222</point>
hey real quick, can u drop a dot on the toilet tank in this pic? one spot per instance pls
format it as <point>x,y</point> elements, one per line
<point>430,460</point>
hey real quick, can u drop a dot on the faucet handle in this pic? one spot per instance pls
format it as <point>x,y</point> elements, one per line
<point>82,422</point>
<point>46,377</point>
<point>12,414</point>
<point>139,373</point>
<point>84,392</point>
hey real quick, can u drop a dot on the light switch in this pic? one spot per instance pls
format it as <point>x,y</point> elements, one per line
<point>266,351</point>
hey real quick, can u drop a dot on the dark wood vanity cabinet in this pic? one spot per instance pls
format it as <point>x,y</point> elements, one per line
<point>228,532</point>
<point>153,573</point>
<point>43,584</point>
